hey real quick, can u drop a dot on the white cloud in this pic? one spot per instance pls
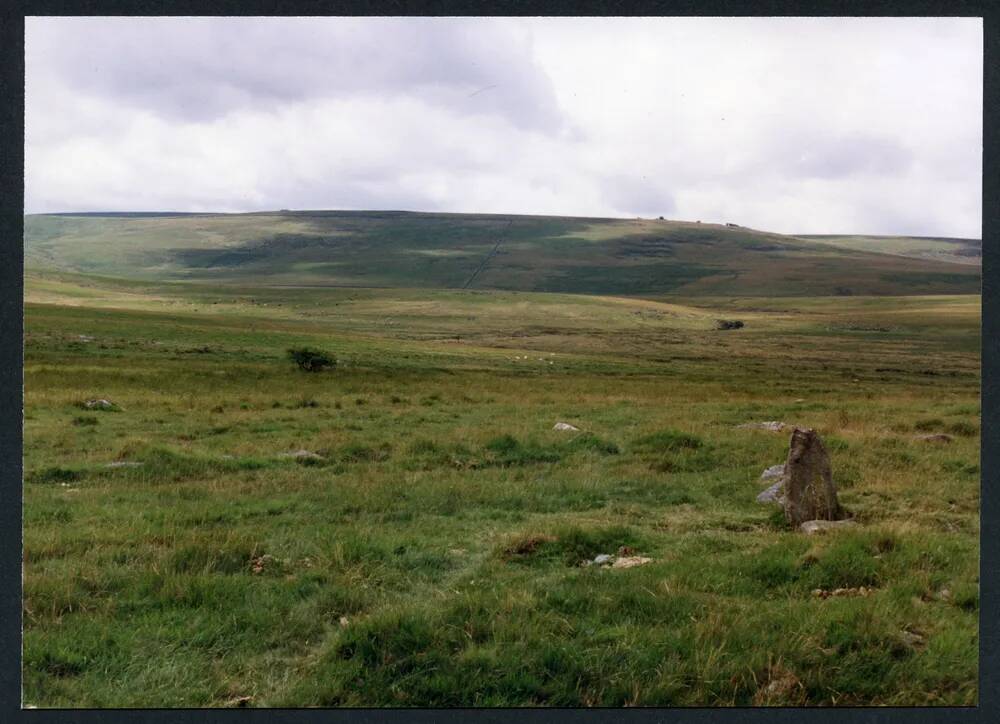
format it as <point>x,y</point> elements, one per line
<point>797,125</point>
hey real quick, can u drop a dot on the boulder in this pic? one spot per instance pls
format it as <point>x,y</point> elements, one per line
<point>565,426</point>
<point>810,494</point>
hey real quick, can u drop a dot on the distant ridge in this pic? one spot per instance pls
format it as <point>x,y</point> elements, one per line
<point>584,255</point>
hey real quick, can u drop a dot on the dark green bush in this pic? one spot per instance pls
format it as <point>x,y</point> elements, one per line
<point>311,360</point>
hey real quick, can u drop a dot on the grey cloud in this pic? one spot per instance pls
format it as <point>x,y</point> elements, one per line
<point>838,157</point>
<point>199,69</point>
<point>638,195</point>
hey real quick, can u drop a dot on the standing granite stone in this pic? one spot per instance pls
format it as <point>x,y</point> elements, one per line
<point>809,490</point>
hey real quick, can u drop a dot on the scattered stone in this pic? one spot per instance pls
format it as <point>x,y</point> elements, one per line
<point>603,559</point>
<point>100,405</point>
<point>843,592</point>
<point>565,426</point>
<point>811,527</point>
<point>770,426</point>
<point>302,455</point>
<point>774,494</point>
<point>810,494</point>
<point>936,437</point>
<point>775,471</point>
<point>85,338</point>
<point>912,639</point>
<point>630,562</point>
<point>124,464</point>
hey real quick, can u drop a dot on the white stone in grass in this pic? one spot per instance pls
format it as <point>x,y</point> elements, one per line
<point>774,494</point>
<point>302,455</point>
<point>775,471</point>
<point>565,426</point>
<point>811,527</point>
<point>99,404</point>
<point>631,562</point>
<point>124,464</point>
<point>769,425</point>
<point>603,559</point>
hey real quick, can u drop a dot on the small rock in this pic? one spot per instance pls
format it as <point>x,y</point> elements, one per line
<point>937,437</point>
<point>631,562</point>
<point>343,621</point>
<point>912,638</point>
<point>775,471</point>
<point>799,400</point>
<point>85,338</point>
<point>770,426</point>
<point>240,702</point>
<point>603,559</point>
<point>100,405</point>
<point>775,494</point>
<point>565,426</point>
<point>842,592</point>
<point>302,455</point>
<point>944,595</point>
<point>821,526</point>
<point>124,464</point>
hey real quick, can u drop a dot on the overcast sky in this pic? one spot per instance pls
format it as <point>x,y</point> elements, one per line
<point>809,125</point>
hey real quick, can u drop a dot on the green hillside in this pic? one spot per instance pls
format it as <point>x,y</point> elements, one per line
<point>479,251</point>
<point>935,248</point>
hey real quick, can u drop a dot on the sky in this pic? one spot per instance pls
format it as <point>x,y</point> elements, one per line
<point>793,125</point>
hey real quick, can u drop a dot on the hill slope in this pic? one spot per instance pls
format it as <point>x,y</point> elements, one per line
<point>936,248</point>
<point>478,251</point>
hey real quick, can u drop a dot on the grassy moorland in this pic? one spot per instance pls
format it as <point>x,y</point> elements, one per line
<point>430,556</point>
<point>484,251</point>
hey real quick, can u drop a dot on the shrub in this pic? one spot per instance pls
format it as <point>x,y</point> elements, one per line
<point>728,324</point>
<point>311,360</point>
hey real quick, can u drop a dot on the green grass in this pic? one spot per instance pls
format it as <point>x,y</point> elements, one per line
<point>431,557</point>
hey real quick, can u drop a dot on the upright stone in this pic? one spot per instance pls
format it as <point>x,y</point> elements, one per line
<point>809,490</point>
